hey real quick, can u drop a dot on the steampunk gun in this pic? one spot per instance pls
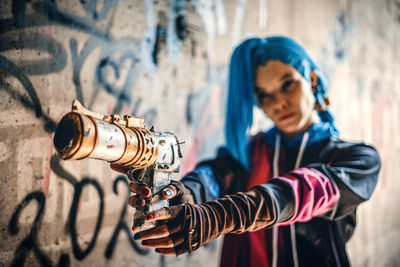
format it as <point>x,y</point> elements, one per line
<point>152,156</point>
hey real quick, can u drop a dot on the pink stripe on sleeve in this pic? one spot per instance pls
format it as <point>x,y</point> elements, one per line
<point>314,193</point>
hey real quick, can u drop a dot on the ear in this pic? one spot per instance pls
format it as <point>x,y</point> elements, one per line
<point>314,79</point>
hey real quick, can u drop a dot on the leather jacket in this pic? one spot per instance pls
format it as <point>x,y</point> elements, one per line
<point>320,241</point>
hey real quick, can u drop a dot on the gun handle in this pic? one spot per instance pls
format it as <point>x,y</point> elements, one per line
<point>156,181</point>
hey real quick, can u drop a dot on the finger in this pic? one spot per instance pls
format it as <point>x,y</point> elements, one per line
<point>166,251</point>
<point>165,242</point>
<point>178,250</point>
<point>135,201</point>
<point>169,191</point>
<point>164,213</point>
<point>156,232</point>
<point>160,214</point>
<point>140,189</point>
<point>119,168</point>
<point>134,228</point>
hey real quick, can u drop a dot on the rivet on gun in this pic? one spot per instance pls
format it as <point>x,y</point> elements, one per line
<point>161,142</point>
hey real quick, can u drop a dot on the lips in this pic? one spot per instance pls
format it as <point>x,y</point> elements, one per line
<point>286,116</point>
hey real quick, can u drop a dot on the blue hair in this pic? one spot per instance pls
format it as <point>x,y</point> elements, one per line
<point>241,98</point>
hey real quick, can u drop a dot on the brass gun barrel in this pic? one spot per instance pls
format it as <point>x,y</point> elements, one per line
<point>85,134</point>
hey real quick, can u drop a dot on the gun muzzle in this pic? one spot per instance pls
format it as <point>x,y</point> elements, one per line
<point>85,134</point>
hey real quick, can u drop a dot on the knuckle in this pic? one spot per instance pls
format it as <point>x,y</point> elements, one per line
<point>167,211</point>
<point>164,212</point>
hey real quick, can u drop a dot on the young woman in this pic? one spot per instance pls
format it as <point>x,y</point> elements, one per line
<point>286,197</point>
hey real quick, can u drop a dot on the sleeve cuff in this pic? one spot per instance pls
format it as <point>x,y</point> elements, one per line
<point>283,199</point>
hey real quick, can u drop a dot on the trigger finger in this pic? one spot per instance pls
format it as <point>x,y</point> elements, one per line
<point>169,191</point>
<point>119,168</point>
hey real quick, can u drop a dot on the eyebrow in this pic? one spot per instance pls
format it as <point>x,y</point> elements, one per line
<point>286,76</point>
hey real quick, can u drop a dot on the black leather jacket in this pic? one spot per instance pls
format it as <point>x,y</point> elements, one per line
<point>353,167</point>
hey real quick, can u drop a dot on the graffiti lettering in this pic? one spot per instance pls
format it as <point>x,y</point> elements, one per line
<point>91,8</point>
<point>78,252</point>
<point>30,242</point>
<point>13,70</point>
<point>121,225</point>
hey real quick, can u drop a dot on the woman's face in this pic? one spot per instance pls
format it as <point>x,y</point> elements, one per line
<point>285,96</point>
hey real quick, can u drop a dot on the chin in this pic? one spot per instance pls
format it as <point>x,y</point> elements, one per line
<point>290,130</point>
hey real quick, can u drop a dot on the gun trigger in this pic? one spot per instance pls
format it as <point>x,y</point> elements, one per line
<point>152,129</point>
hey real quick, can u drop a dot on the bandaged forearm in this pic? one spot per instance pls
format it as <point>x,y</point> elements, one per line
<point>234,213</point>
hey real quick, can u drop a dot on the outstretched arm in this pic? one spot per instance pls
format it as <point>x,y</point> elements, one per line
<point>298,196</point>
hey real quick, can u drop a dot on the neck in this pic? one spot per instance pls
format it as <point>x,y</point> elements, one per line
<point>313,119</point>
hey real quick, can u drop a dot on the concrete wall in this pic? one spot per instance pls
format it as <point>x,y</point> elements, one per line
<point>138,57</point>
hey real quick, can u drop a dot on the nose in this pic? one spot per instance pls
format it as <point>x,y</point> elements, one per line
<point>280,104</point>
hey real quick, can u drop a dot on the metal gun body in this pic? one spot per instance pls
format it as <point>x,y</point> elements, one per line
<point>153,156</point>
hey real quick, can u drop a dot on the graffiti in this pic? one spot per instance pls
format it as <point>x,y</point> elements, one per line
<point>122,226</point>
<point>78,252</point>
<point>181,28</point>
<point>91,8</point>
<point>60,171</point>
<point>161,36</point>
<point>30,243</point>
<point>115,65</point>
<point>57,56</point>
<point>55,62</point>
<point>122,94</point>
<point>50,9</point>
<point>49,124</point>
<point>9,67</point>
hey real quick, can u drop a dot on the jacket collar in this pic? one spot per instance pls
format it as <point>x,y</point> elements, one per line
<point>318,132</point>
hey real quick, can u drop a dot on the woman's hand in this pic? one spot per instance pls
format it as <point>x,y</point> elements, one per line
<point>176,192</point>
<point>186,227</point>
<point>168,238</point>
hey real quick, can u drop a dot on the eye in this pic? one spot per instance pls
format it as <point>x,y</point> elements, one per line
<point>288,85</point>
<point>264,96</point>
